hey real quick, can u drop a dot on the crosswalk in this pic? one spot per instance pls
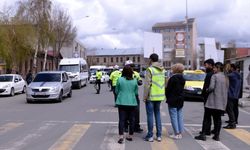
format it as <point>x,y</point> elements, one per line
<point>60,135</point>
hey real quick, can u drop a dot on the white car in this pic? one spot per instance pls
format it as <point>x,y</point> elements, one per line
<point>10,84</point>
<point>49,85</point>
<point>104,79</point>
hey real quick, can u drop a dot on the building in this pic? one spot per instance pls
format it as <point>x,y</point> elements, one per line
<point>74,50</point>
<point>112,57</point>
<point>177,45</point>
<point>208,48</point>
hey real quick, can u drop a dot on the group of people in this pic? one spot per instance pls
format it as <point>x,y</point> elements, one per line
<point>221,92</point>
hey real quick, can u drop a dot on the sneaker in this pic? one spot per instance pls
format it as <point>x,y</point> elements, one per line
<point>149,139</point>
<point>173,136</point>
<point>179,136</point>
<point>158,139</point>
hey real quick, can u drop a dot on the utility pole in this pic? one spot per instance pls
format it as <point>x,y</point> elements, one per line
<point>187,41</point>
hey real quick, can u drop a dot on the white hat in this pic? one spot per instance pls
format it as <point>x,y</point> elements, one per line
<point>116,67</point>
<point>128,62</point>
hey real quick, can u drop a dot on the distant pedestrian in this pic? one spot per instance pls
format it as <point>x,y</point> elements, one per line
<point>127,91</point>
<point>175,100</point>
<point>98,81</point>
<point>154,93</point>
<point>207,117</point>
<point>217,99</point>
<point>233,97</point>
<point>29,77</point>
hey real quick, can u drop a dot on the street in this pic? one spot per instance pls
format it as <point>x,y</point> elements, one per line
<point>89,121</point>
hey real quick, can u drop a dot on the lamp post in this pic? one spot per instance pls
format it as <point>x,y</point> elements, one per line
<point>186,51</point>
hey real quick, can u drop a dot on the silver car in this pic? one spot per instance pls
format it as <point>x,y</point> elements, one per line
<point>49,85</point>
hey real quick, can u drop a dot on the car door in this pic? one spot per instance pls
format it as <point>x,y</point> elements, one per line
<point>65,83</point>
<point>16,83</point>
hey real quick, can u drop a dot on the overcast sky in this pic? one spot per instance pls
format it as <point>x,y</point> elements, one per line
<point>121,23</point>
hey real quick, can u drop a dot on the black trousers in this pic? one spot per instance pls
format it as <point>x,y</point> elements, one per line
<point>98,86</point>
<point>124,113</point>
<point>206,124</point>
<point>137,116</point>
<point>216,115</point>
<point>115,96</point>
<point>232,110</point>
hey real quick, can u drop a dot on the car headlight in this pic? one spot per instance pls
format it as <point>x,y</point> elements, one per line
<point>54,89</point>
<point>6,86</point>
<point>190,88</point>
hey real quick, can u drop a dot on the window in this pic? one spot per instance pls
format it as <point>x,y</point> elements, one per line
<point>127,58</point>
<point>111,59</point>
<point>97,60</point>
<point>104,59</point>
<point>133,59</point>
<point>138,59</point>
<point>117,59</point>
<point>121,59</point>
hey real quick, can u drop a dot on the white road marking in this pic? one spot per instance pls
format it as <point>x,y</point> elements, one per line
<point>209,144</point>
<point>244,111</point>
<point>110,140</point>
<point>22,141</point>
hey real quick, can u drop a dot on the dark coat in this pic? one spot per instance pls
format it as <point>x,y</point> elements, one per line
<point>206,84</point>
<point>174,91</point>
<point>234,85</point>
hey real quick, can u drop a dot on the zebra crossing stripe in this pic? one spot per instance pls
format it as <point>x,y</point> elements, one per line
<point>9,126</point>
<point>241,134</point>
<point>110,140</point>
<point>165,144</point>
<point>209,144</point>
<point>71,137</point>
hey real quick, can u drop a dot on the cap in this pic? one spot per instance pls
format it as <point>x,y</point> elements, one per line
<point>129,62</point>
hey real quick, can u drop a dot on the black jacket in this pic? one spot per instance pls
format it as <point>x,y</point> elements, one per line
<point>174,91</point>
<point>206,84</point>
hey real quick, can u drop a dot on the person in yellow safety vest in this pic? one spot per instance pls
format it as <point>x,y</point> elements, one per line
<point>136,76</point>
<point>114,76</point>
<point>154,93</point>
<point>98,81</point>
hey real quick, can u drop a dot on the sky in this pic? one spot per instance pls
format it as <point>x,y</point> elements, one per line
<point>121,23</point>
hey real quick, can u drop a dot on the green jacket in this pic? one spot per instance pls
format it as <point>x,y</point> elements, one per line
<point>115,75</point>
<point>126,91</point>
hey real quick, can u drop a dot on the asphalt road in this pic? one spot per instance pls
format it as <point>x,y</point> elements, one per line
<point>88,121</point>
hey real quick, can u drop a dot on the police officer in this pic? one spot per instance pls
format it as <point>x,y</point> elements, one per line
<point>98,81</point>
<point>136,76</point>
<point>114,76</point>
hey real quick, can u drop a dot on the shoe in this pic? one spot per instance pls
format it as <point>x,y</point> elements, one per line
<point>216,138</point>
<point>207,133</point>
<point>139,130</point>
<point>129,138</point>
<point>176,137</point>
<point>200,137</point>
<point>213,131</point>
<point>227,121</point>
<point>149,139</point>
<point>120,141</point>
<point>230,127</point>
<point>158,139</point>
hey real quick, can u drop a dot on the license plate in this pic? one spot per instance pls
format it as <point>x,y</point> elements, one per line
<point>39,93</point>
<point>199,92</point>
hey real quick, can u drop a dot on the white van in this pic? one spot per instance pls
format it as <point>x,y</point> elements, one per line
<point>76,69</point>
<point>93,69</point>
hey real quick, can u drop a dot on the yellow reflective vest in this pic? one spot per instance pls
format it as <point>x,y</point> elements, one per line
<point>157,89</point>
<point>114,76</point>
<point>98,75</point>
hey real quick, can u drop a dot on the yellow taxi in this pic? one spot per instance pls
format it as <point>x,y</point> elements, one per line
<point>194,83</point>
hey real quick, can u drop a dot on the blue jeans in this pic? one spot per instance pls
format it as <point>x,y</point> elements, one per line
<point>176,118</point>
<point>153,109</point>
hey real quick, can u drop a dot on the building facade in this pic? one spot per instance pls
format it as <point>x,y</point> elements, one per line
<point>74,50</point>
<point>112,57</point>
<point>178,47</point>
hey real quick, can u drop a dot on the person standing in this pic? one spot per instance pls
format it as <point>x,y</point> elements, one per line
<point>127,91</point>
<point>154,93</point>
<point>217,98</point>
<point>233,97</point>
<point>114,76</point>
<point>208,64</point>
<point>29,77</point>
<point>98,80</point>
<point>175,100</point>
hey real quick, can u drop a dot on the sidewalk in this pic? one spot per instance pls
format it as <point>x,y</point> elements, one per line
<point>245,100</point>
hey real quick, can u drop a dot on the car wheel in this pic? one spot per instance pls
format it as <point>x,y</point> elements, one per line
<point>24,89</point>
<point>70,93</point>
<point>60,97</point>
<point>28,101</point>
<point>12,92</point>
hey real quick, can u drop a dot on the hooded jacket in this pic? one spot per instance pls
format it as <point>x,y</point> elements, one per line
<point>148,80</point>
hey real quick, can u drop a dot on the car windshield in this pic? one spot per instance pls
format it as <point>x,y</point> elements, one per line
<point>69,68</point>
<point>48,77</point>
<point>194,77</point>
<point>6,78</point>
<point>92,71</point>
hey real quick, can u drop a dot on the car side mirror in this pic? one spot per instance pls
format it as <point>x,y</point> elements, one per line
<point>16,80</point>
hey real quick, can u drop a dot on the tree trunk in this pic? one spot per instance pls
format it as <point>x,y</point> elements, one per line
<point>45,59</point>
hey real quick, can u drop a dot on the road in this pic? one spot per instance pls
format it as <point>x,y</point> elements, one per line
<point>88,121</point>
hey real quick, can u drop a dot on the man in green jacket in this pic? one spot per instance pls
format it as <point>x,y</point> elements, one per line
<point>114,76</point>
<point>98,81</point>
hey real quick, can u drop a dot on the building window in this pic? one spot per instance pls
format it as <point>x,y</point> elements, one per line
<point>127,58</point>
<point>138,59</point>
<point>121,59</point>
<point>104,59</point>
<point>117,59</point>
<point>111,59</point>
<point>134,59</point>
<point>97,60</point>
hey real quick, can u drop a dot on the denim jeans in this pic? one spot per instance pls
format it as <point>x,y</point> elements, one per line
<point>176,118</point>
<point>153,109</point>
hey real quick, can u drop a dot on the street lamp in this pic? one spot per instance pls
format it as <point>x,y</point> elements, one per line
<point>186,34</point>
